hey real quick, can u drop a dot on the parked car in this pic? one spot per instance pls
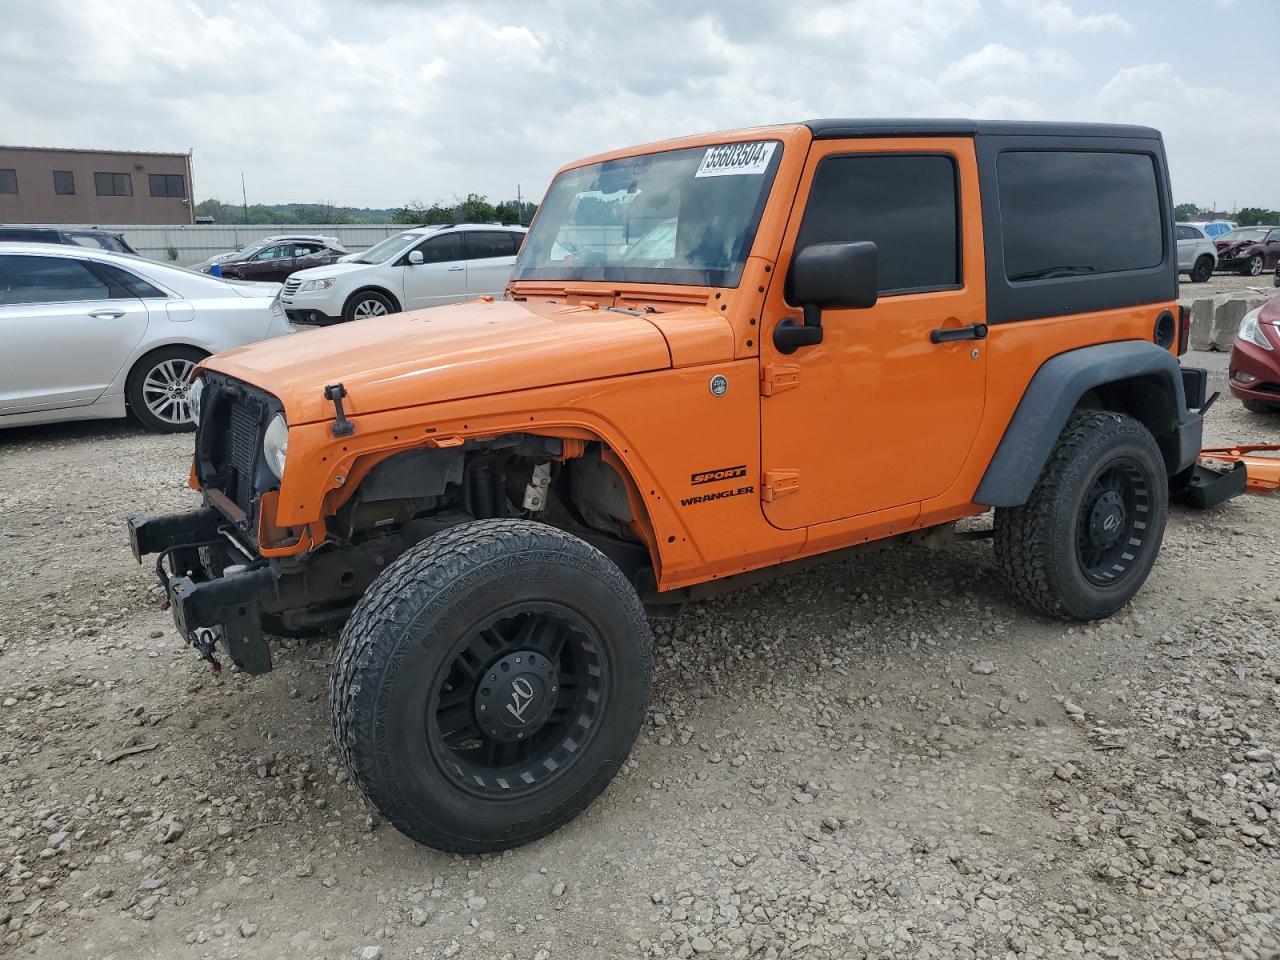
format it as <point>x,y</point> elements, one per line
<point>91,334</point>
<point>1214,228</point>
<point>491,493</point>
<point>1254,369</point>
<point>1197,256</point>
<point>249,250</point>
<point>422,267</point>
<point>278,261</point>
<point>1249,250</point>
<point>90,237</point>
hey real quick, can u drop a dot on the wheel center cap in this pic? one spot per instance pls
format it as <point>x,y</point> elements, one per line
<point>1107,520</point>
<point>516,696</point>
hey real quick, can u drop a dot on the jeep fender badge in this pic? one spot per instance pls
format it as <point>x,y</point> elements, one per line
<point>719,385</point>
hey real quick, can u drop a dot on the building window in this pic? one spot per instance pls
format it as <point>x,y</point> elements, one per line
<point>113,184</point>
<point>8,181</point>
<point>64,183</point>
<point>168,185</point>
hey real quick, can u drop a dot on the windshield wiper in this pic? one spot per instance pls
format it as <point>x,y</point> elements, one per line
<point>1066,270</point>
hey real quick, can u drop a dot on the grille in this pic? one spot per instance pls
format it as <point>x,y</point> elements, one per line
<point>291,286</point>
<point>241,454</point>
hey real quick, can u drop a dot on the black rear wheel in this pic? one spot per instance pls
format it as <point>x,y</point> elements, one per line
<point>1202,270</point>
<point>1087,537</point>
<point>490,684</point>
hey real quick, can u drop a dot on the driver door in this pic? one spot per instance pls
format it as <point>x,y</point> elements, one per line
<point>878,417</point>
<point>440,278</point>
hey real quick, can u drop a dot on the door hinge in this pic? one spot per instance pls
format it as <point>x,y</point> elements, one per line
<point>778,483</point>
<point>777,377</point>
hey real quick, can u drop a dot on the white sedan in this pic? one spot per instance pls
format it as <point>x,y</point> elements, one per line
<point>88,334</point>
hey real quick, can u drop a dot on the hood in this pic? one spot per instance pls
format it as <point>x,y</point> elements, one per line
<point>1270,312</point>
<point>335,269</point>
<point>446,353</point>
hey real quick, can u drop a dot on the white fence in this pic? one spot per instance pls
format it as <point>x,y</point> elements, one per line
<point>196,242</point>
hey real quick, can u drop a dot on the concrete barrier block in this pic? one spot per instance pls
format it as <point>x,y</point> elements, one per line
<point>1202,309</point>
<point>1227,317</point>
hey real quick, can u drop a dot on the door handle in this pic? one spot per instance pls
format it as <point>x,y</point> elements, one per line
<point>106,314</point>
<point>974,331</point>
<point>455,269</point>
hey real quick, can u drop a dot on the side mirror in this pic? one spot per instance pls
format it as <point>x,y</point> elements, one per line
<point>415,257</point>
<point>828,276</point>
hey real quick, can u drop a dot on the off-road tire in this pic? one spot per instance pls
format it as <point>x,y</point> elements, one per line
<point>1260,406</point>
<point>1202,270</point>
<point>136,386</point>
<point>1036,543</point>
<point>352,309</point>
<point>398,647</point>
<point>1254,267</point>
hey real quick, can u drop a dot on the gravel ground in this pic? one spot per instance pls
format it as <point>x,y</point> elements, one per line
<point>1227,283</point>
<point>883,758</point>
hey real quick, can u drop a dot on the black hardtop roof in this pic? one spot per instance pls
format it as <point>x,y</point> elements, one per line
<point>896,127</point>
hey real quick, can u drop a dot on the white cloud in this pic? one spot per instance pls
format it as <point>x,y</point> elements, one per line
<point>1058,17</point>
<point>997,64</point>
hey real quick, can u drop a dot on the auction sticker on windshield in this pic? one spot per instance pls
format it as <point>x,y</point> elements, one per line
<point>736,159</point>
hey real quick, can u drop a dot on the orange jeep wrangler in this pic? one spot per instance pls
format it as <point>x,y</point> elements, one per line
<point>716,356</point>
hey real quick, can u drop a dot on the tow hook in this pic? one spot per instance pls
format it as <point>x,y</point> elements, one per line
<point>203,639</point>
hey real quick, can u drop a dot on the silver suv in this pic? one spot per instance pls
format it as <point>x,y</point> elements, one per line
<point>1197,256</point>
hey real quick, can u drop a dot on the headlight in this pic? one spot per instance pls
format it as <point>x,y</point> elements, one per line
<point>309,285</point>
<point>194,392</point>
<point>1251,330</point>
<point>275,445</point>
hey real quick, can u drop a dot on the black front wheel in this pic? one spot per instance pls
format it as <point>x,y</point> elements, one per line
<point>1086,539</point>
<point>490,684</point>
<point>1202,270</point>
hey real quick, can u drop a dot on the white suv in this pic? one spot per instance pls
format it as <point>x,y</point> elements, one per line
<point>1197,256</point>
<point>422,267</point>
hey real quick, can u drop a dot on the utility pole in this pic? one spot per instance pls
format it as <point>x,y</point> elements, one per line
<point>519,206</point>
<point>245,197</point>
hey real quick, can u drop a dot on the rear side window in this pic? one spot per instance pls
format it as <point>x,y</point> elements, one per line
<point>1071,213</point>
<point>1189,233</point>
<point>48,280</point>
<point>905,204</point>
<point>28,236</point>
<point>484,245</point>
<point>125,284</point>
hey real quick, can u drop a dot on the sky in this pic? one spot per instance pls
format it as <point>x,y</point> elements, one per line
<point>382,102</point>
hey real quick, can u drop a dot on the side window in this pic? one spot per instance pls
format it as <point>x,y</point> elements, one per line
<point>1274,236</point>
<point>27,236</point>
<point>1196,233</point>
<point>486,244</point>
<point>48,280</point>
<point>125,284</point>
<point>1068,213</point>
<point>270,253</point>
<point>442,249</point>
<point>1189,233</point>
<point>91,240</point>
<point>905,204</point>
<point>64,183</point>
<point>518,240</point>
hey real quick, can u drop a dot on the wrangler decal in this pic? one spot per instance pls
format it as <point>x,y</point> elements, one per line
<point>718,495</point>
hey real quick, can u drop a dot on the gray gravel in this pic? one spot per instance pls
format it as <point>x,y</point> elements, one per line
<point>883,758</point>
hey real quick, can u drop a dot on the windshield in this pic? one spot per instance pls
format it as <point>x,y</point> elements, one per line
<point>1235,236</point>
<point>683,217</point>
<point>388,249</point>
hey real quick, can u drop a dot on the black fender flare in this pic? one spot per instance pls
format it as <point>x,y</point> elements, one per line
<point>1131,376</point>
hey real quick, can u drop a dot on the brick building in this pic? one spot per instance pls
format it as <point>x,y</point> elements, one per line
<point>49,185</point>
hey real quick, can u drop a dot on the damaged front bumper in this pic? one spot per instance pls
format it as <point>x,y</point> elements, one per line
<point>206,608</point>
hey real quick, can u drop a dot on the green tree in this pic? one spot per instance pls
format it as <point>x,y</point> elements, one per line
<point>1186,211</point>
<point>1255,216</point>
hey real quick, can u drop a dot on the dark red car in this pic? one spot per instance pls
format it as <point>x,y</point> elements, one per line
<point>276,258</point>
<point>1254,372</point>
<point>1249,250</point>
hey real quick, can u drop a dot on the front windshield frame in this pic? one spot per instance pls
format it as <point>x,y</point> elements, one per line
<point>535,264</point>
<point>408,240</point>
